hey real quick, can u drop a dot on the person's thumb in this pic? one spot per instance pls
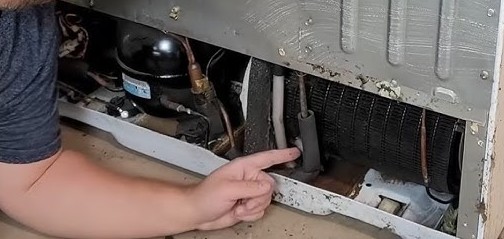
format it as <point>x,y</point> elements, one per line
<point>242,189</point>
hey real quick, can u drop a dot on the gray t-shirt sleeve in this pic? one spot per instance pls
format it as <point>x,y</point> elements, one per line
<point>29,122</point>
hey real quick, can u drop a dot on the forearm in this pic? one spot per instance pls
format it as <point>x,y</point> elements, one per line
<point>77,199</point>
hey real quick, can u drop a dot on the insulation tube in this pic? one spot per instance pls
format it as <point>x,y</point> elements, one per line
<point>278,107</point>
<point>308,131</point>
<point>311,153</point>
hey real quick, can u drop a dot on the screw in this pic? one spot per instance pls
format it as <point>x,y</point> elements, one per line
<point>309,21</point>
<point>174,13</point>
<point>473,236</point>
<point>465,224</point>
<point>308,49</point>
<point>124,114</point>
<point>481,143</point>
<point>484,75</point>
<point>91,3</point>
<point>469,109</point>
<point>281,51</point>
<point>490,12</point>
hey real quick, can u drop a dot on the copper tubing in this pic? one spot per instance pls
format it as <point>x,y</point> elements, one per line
<point>98,79</point>
<point>185,42</point>
<point>423,149</point>
<point>198,81</point>
<point>227,122</point>
<point>190,53</point>
<point>302,95</point>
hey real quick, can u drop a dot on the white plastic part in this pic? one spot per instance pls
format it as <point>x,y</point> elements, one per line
<point>418,206</point>
<point>389,205</point>
<point>124,114</point>
<point>278,111</point>
<point>245,86</point>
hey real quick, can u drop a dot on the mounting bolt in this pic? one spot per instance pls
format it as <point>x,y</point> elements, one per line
<point>125,114</point>
<point>308,49</point>
<point>481,143</point>
<point>446,95</point>
<point>474,128</point>
<point>394,83</point>
<point>490,12</point>
<point>484,75</point>
<point>281,51</point>
<point>174,13</point>
<point>309,21</point>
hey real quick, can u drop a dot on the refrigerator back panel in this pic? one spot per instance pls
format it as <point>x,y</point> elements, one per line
<point>441,53</point>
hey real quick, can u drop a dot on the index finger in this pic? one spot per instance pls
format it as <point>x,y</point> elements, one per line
<point>266,159</point>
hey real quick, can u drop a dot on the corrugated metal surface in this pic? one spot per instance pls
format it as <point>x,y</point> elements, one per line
<point>437,47</point>
<point>435,50</point>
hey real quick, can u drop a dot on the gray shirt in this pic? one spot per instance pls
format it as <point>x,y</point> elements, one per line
<point>29,123</point>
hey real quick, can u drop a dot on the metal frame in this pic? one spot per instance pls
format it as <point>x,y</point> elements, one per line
<point>289,192</point>
<point>470,207</point>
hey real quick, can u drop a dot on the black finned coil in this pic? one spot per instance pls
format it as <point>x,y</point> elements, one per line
<point>377,132</point>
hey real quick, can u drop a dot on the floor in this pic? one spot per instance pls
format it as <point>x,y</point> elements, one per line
<point>279,222</point>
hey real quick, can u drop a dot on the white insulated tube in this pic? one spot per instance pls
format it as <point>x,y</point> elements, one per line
<point>278,110</point>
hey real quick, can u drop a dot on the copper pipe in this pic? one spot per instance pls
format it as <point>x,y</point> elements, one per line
<point>199,83</point>
<point>302,95</point>
<point>423,149</point>
<point>227,122</point>
<point>190,53</point>
<point>185,42</point>
<point>98,79</point>
<point>224,145</point>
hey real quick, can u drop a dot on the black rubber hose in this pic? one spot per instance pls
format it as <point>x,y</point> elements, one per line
<point>308,132</point>
<point>278,70</point>
<point>310,168</point>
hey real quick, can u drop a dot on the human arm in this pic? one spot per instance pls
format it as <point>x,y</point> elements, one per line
<point>68,196</point>
<point>64,194</point>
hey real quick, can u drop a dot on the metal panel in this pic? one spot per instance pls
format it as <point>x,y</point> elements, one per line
<point>471,208</point>
<point>440,52</point>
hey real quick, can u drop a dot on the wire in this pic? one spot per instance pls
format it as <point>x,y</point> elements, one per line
<point>67,88</point>
<point>182,109</point>
<point>215,57</point>
<point>428,190</point>
<point>104,83</point>
<point>207,133</point>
